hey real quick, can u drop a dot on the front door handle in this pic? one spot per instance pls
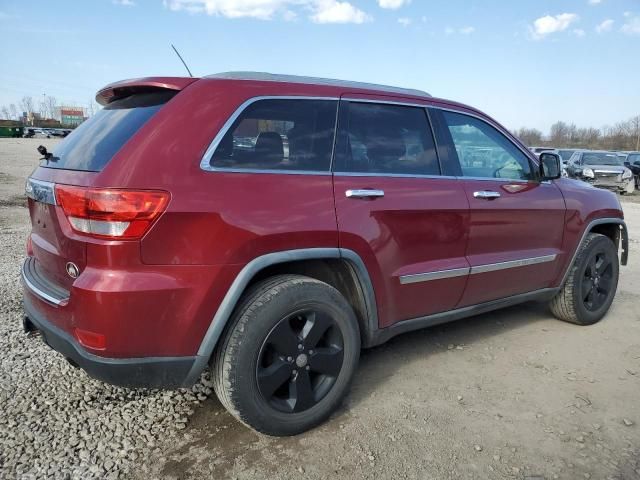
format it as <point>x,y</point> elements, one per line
<point>486,195</point>
<point>364,193</point>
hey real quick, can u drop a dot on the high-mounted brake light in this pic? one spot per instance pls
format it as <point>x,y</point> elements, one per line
<point>111,213</point>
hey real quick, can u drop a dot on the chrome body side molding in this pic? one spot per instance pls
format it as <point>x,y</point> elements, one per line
<point>459,272</point>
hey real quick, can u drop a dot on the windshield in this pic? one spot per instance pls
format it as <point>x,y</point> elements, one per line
<point>601,158</point>
<point>90,146</point>
<point>633,157</point>
<point>565,154</point>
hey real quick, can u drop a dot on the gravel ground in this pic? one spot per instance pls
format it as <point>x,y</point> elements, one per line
<point>511,394</point>
<point>57,422</point>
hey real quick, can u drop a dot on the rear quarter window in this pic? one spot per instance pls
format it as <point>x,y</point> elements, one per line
<point>90,146</point>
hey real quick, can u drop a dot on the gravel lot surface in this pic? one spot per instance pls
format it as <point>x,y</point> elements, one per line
<point>511,394</point>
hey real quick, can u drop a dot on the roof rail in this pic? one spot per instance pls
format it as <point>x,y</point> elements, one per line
<point>274,77</point>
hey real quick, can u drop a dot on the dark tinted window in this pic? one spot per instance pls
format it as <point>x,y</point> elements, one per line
<point>601,158</point>
<point>90,146</point>
<point>485,152</point>
<point>392,139</point>
<point>280,135</point>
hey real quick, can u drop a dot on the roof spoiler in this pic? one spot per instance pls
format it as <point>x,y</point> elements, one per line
<point>121,89</point>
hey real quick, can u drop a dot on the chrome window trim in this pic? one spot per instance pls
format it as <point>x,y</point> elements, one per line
<point>41,191</point>
<point>474,270</point>
<point>437,275</point>
<point>40,293</point>
<point>391,175</point>
<point>205,162</point>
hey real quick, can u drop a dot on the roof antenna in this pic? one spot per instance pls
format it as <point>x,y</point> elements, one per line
<point>180,57</point>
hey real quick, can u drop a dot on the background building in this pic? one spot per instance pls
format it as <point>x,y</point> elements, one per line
<point>70,116</point>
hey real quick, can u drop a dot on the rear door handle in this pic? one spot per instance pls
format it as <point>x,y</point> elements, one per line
<point>364,193</point>
<point>486,195</point>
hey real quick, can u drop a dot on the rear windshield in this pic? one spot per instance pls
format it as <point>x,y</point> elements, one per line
<point>90,146</point>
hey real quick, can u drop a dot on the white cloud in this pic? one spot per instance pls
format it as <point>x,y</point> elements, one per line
<point>631,26</point>
<point>462,31</point>
<point>321,11</point>
<point>595,2</point>
<point>124,3</point>
<point>628,14</point>
<point>393,4</point>
<point>333,11</point>
<point>578,32</point>
<point>605,26</point>
<point>549,24</point>
<point>404,21</point>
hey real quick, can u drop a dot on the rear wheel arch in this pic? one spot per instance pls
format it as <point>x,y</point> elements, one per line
<point>341,268</point>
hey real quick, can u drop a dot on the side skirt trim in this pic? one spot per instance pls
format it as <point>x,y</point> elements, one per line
<point>405,326</point>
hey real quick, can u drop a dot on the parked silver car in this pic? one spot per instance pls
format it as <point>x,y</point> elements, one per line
<point>601,169</point>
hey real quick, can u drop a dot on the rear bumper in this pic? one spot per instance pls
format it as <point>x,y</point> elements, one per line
<point>150,372</point>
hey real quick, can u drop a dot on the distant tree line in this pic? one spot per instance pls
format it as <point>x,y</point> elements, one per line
<point>621,136</point>
<point>46,108</point>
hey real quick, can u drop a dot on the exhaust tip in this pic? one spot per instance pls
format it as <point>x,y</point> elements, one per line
<point>29,328</point>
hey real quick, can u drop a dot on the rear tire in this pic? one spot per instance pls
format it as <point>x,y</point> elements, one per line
<point>591,284</point>
<point>288,355</point>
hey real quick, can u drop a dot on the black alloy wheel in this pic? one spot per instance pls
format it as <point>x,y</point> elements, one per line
<point>597,281</point>
<point>300,360</point>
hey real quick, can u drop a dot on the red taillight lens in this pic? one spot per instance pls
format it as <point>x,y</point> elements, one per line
<point>111,213</point>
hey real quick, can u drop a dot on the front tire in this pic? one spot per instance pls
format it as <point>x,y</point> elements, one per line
<point>591,284</point>
<point>288,356</point>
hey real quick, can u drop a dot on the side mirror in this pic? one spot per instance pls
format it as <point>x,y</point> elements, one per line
<point>550,166</point>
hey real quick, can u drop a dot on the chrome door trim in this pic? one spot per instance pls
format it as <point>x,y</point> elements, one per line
<point>524,262</point>
<point>205,162</point>
<point>459,272</point>
<point>438,275</point>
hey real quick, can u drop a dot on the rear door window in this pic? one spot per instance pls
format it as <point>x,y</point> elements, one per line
<point>90,146</point>
<point>385,139</point>
<point>281,135</point>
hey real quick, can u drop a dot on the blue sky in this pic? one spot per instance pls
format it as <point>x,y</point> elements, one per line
<point>525,62</point>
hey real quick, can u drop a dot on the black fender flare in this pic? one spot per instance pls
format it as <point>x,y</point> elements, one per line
<point>238,286</point>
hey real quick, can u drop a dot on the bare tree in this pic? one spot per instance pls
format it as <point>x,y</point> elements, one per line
<point>5,112</point>
<point>634,126</point>
<point>559,134</point>
<point>50,106</point>
<point>27,105</point>
<point>530,136</point>
<point>14,111</point>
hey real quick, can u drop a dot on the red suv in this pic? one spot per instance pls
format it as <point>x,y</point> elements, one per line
<point>272,226</point>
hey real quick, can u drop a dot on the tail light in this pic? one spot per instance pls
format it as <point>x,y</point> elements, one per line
<point>111,213</point>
